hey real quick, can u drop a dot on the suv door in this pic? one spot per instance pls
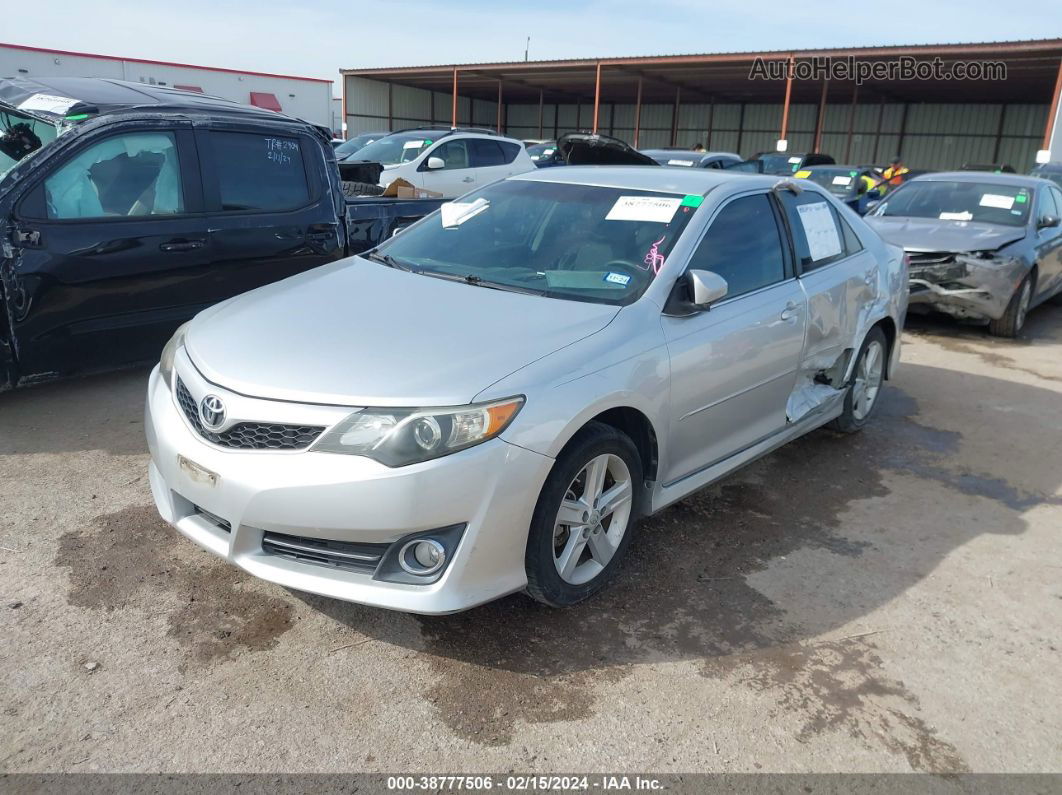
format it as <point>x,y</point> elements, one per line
<point>271,212</point>
<point>109,251</point>
<point>733,367</point>
<point>457,176</point>
<point>489,160</point>
<point>1047,242</point>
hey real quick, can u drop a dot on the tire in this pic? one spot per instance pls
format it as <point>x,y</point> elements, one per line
<point>857,412</point>
<point>1013,320</point>
<point>352,189</point>
<point>583,543</point>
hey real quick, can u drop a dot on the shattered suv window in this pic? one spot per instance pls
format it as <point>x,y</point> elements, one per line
<point>20,137</point>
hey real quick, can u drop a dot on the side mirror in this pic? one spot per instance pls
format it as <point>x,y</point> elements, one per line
<point>1047,221</point>
<point>435,163</point>
<point>706,288</point>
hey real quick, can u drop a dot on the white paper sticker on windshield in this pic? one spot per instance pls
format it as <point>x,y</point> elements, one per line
<point>794,160</point>
<point>48,103</point>
<point>963,216</point>
<point>680,162</point>
<point>820,230</point>
<point>413,144</point>
<point>997,200</point>
<point>453,214</point>
<point>842,180</point>
<point>643,208</point>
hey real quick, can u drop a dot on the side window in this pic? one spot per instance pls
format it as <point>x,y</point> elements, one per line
<point>486,153</point>
<point>510,150</point>
<point>852,244</point>
<point>453,153</point>
<point>1047,205</point>
<point>816,235</point>
<point>259,172</point>
<point>743,245</point>
<point>132,175</point>
<point>1057,195</point>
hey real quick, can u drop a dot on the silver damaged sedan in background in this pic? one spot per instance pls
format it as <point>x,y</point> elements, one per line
<point>489,401</point>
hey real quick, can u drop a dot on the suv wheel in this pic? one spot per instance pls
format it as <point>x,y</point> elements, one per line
<point>584,518</point>
<point>1010,325</point>
<point>867,382</point>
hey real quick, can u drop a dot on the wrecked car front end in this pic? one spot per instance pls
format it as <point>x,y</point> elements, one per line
<point>974,285</point>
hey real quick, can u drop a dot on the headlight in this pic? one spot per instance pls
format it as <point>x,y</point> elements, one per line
<point>397,437</point>
<point>166,360</point>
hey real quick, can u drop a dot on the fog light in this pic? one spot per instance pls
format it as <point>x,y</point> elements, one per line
<point>422,556</point>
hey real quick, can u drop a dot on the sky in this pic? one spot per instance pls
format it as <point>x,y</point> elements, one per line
<point>318,37</point>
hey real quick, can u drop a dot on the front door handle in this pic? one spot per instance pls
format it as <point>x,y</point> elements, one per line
<point>790,311</point>
<point>870,276</point>
<point>182,245</point>
<point>468,179</point>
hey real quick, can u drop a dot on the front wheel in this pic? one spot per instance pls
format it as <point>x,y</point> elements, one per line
<point>865,388</point>
<point>583,521</point>
<point>1010,325</point>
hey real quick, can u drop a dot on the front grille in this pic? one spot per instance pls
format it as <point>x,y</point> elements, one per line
<point>922,258</point>
<point>341,554</point>
<point>249,435</point>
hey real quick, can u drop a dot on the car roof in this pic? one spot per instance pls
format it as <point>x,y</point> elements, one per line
<point>665,180</point>
<point>835,167</point>
<point>990,177</point>
<point>680,152</point>
<point>112,96</point>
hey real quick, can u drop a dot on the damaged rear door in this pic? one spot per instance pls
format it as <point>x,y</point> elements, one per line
<point>840,279</point>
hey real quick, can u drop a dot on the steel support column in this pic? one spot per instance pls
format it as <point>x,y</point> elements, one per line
<point>541,97</point>
<point>675,116</point>
<point>390,106</point>
<point>711,121</point>
<point>453,106</point>
<point>498,126</point>
<point>637,112</point>
<point>903,131</point>
<point>851,124</point>
<point>1052,113</point>
<point>788,93</point>
<point>821,118</point>
<point>999,132</point>
<point>597,95</point>
<point>877,132</point>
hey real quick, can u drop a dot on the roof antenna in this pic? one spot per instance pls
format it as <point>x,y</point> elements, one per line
<point>527,47</point>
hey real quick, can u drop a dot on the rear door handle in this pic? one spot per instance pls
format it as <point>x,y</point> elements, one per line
<point>468,179</point>
<point>182,245</point>
<point>870,276</point>
<point>790,311</point>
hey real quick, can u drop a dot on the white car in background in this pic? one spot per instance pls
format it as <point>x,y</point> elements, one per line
<point>449,162</point>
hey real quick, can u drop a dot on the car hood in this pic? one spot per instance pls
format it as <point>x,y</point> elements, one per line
<point>931,234</point>
<point>359,333</point>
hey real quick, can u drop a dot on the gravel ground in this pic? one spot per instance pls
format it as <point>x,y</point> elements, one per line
<point>889,601</point>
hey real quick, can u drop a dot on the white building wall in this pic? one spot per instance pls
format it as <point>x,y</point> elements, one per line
<point>305,98</point>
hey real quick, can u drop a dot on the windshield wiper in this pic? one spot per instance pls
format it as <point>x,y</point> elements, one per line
<point>389,261</point>
<point>479,281</point>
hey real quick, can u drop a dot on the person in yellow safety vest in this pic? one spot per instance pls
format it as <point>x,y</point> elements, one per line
<point>894,174</point>
<point>869,183</point>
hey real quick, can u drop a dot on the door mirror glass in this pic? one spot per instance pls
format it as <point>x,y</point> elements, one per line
<point>436,163</point>
<point>706,288</point>
<point>1047,221</point>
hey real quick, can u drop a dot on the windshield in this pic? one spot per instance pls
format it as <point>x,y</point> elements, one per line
<point>579,242</point>
<point>21,136</point>
<point>349,147</point>
<point>542,151</point>
<point>398,148</point>
<point>985,202</point>
<point>838,181</point>
<point>781,163</point>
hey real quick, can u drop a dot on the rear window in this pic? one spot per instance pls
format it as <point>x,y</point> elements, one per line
<point>259,172</point>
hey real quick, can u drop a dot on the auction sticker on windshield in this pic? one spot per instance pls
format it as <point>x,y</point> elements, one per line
<point>997,200</point>
<point>644,208</point>
<point>820,230</point>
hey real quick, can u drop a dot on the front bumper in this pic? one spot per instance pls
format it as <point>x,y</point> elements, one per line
<point>966,286</point>
<point>491,488</point>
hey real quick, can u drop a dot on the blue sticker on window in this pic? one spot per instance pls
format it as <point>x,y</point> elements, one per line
<point>617,278</point>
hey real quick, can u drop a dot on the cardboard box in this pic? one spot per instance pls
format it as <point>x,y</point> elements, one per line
<point>403,189</point>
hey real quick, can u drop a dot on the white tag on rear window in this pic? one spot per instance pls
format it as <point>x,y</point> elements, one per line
<point>997,200</point>
<point>643,208</point>
<point>820,230</point>
<point>794,160</point>
<point>453,214</point>
<point>680,162</point>
<point>413,144</point>
<point>47,103</point>
<point>842,180</point>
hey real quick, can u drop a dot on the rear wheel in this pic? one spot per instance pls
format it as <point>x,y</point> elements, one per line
<point>584,518</point>
<point>1012,321</point>
<point>867,382</point>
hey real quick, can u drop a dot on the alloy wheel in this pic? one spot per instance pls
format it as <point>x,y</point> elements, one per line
<point>592,519</point>
<point>869,375</point>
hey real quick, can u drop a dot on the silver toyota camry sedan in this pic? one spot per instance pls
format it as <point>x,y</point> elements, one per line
<point>489,401</point>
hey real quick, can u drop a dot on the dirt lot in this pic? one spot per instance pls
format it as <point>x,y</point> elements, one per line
<point>890,601</point>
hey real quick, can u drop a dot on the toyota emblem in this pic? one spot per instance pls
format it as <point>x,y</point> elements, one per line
<point>212,412</point>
